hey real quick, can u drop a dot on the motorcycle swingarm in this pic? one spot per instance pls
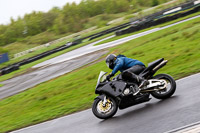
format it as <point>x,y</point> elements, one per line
<point>156,83</point>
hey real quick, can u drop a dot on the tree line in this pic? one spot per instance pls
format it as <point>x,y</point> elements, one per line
<point>71,18</point>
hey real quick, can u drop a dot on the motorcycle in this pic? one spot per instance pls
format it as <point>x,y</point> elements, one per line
<point>118,93</point>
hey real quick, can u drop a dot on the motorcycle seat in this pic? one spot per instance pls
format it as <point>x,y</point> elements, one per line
<point>152,65</point>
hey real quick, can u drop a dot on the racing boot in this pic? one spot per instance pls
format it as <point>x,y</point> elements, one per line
<point>135,78</point>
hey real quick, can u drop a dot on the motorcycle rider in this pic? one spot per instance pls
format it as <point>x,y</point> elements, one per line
<point>130,68</point>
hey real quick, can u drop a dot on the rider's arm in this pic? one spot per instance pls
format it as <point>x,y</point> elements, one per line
<point>118,66</point>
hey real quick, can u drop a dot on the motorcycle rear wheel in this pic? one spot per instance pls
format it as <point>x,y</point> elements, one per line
<point>168,90</point>
<point>104,112</point>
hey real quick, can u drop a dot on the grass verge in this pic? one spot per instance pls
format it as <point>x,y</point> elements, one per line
<point>74,91</point>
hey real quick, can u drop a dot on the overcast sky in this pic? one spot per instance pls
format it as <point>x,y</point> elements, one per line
<point>15,8</point>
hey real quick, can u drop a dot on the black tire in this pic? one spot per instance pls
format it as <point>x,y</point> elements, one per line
<point>104,115</point>
<point>168,91</point>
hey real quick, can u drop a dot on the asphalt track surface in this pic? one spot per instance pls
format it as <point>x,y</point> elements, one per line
<point>45,73</point>
<point>155,116</point>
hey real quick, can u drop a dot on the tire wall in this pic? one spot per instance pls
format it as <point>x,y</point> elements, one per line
<point>161,17</point>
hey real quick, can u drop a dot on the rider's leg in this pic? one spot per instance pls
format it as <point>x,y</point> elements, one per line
<point>132,74</point>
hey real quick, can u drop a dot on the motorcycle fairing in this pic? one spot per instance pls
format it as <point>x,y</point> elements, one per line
<point>113,88</point>
<point>130,101</point>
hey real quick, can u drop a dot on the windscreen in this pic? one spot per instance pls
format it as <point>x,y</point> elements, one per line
<point>102,77</point>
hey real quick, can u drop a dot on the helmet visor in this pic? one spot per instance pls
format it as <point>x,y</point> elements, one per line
<point>107,63</point>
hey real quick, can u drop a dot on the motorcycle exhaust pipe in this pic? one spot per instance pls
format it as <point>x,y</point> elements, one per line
<point>163,63</point>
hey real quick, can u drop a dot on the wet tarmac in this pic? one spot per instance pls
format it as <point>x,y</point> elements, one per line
<point>45,73</point>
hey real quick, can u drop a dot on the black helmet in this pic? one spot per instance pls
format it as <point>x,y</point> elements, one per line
<point>110,60</point>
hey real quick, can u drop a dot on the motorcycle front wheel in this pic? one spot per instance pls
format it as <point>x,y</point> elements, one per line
<point>104,111</point>
<point>166,90</point>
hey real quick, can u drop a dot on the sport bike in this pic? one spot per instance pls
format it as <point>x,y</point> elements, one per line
<point>119,93</point>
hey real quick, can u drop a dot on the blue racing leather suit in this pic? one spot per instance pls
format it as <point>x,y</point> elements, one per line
<point>122,63</point>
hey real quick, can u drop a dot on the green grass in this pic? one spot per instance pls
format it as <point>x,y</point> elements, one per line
<point>74,91</point>
<point>33,41</point>
<point>13,48</point>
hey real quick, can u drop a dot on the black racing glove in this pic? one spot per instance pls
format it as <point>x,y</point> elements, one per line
<point>109,76</point>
